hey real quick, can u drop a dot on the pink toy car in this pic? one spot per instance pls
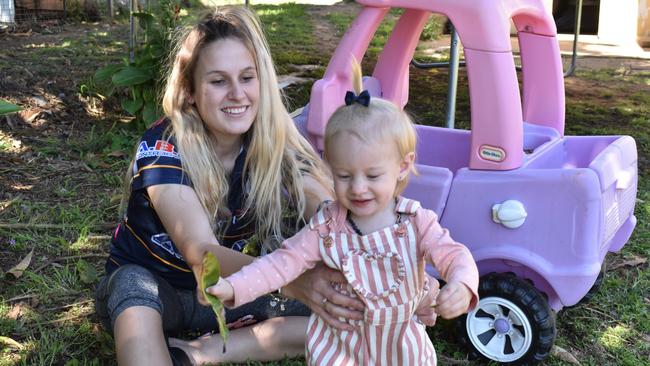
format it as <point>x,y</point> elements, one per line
<point>539,210</point>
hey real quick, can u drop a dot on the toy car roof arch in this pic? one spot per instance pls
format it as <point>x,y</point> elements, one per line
<point>497,108</point>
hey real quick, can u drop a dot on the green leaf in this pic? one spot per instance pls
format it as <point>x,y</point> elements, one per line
<point>7,108</point>
<point>104,75</point>
<point>149,95</point>
<point>146,19</point>
<point>87,273</point>
<point>210,276</point>
<point>149,113</point>
<point>132,75</point>
<point>132,106</point>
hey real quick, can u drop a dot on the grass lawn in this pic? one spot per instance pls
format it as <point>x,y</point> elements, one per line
<point>63,158</point>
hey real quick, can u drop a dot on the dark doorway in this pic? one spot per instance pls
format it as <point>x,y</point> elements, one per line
<point>564,13</point>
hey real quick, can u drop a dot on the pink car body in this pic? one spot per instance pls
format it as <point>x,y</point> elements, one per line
<point>524,198</point>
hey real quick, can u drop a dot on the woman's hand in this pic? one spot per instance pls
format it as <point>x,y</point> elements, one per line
<point>314,288</point>
<point>453,300</point>
<point>426,311</point>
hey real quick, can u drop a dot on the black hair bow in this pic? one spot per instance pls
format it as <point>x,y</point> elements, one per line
<point>363,98</point>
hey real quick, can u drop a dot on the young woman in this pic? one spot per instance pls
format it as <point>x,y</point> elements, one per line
<point>226,171</point>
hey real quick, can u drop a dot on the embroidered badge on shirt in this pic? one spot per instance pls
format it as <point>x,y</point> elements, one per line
<point>161,148</point>
<point>164,241</point>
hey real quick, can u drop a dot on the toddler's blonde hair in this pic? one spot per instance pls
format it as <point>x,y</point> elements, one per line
<point>381,120</point>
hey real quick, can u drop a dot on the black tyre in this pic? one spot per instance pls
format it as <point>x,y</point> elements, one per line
<point>594,288</point>
<point>512,324</point>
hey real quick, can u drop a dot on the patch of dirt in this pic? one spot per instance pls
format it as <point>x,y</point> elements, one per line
<point>324,31</point>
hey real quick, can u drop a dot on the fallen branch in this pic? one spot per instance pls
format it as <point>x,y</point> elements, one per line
<point>98,237</point>
<point>22,297</point>
<point>443,360</point>
<point>70,305</point>
<point>59,259</point>
<point>5,205</point>
<point>69,317</point>
<point>592,309</point>
<point>20,226</point>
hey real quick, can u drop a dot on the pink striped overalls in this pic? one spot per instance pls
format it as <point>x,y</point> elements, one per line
<point>383,269</point>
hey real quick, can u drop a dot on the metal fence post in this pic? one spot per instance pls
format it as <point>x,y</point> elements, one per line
<point>111,10</point>
<point>132,31</point>
<point>454,63</point>
<point>576,33</point>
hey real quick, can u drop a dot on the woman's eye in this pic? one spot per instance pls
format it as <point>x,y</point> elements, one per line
<point>217,82</point>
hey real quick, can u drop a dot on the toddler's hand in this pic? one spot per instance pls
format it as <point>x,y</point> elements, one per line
<point>453,300</point>
<point>223,290</point>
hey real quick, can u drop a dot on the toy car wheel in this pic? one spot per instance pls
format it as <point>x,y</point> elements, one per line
<point>594,288</point>
<point>512,323</point>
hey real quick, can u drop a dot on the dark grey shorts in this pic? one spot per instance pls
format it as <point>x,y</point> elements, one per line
<point>133,285</point>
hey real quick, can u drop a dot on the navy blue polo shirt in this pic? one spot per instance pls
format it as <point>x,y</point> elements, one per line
<point>141,239</point>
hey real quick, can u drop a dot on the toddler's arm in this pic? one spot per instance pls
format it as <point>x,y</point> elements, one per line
<point>270,272</point>
<point>453,261</point>
<point>223,290</point>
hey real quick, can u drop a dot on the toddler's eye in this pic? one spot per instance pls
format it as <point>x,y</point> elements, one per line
<point>374,176</point>
<point>342,176</point>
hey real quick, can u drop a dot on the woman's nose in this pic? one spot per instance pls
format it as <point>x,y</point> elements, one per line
<point>236,91</point>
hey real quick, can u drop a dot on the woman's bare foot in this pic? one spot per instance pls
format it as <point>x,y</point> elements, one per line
<point>191,348</point>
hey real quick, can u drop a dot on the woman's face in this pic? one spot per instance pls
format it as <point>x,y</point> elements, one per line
<point>226,88</point>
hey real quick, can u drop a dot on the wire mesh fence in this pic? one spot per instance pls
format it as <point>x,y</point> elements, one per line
<point>34,11</point>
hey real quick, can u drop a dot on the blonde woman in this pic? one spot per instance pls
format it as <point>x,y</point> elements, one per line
<point>226,171</point>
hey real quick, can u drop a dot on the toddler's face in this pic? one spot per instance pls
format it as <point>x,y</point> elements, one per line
<point>365,174</point>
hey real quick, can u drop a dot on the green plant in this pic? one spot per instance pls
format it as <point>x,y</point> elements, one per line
<point>139,81</point>
<point>8,108</point>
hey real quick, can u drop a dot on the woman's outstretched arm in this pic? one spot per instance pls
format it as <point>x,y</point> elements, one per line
<point>188,225</point>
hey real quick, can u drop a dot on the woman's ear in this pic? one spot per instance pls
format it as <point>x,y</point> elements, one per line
<point>406,165</point>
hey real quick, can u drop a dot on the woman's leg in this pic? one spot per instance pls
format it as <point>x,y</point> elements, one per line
<point>270,340</point>
<point>130,303</point>
<point>139,338</point>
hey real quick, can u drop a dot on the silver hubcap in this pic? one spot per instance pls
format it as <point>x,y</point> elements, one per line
<point>499,329</point>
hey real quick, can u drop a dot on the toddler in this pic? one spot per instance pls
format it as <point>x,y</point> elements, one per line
<point>379,240</point>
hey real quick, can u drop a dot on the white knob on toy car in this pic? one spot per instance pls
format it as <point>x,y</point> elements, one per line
<point>510,213</point>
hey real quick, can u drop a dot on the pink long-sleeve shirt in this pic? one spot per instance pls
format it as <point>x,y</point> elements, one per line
<point>385,269</point>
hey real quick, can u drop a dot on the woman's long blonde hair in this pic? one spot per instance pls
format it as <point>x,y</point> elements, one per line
<point>277,155</point>
<point>381,120</point>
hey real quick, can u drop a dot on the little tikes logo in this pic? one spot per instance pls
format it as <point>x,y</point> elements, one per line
<point>492,153</point>
<point>162,148</point>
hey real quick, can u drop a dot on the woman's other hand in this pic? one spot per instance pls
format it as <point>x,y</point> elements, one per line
<point>426,311</point>
<point>315,289</point>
